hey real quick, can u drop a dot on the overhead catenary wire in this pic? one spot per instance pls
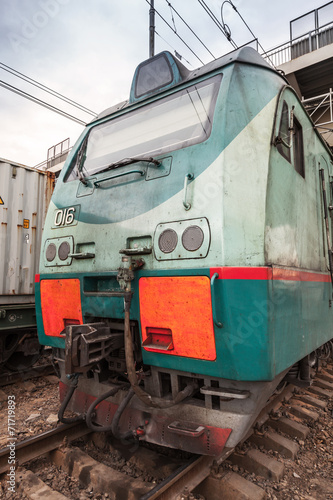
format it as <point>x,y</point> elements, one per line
<point>173,19</point>
<point>43,87</point>
<point>248,27</point>
<point>188,27</point>
<point>175,51</point>
<point>71,102</point>
<point>217,22</point>
<point>56,94</point>
<point>40,102</point>
<point>175,32</point>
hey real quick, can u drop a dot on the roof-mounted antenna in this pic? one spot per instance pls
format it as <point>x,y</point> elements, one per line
<point>151,29</point>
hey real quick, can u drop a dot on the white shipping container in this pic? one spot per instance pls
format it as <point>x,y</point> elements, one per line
<point>25,194</point>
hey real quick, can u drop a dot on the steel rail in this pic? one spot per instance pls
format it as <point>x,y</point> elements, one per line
<point>184,479</point>
<point>38,445</point>
<point>188,476</point>
<point>14,377</point>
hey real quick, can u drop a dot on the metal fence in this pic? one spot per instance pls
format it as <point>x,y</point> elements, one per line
<point>320,108</point>
<point>58,153</point>
<point>315,32</point>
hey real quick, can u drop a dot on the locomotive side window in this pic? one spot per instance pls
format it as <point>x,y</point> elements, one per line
<point>174,122</point>
<point>289,142</point>
<point>298,148</point>
<point>283,144</point>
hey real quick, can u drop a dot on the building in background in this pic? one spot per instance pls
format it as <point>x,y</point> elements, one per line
<point>25,194</point>
<point>56,157</point>
<point>307,62</point>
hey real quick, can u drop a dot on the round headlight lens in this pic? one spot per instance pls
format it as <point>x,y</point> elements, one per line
<point>167,241</point>
<point>192,238</point>
<point>64,250</point>
<point>51,252</point>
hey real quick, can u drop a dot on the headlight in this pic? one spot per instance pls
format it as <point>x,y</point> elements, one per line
<point>64,250</point>
<point>57,251</point>
<point>182,239</point>
<point>192,238</point>
<point>51,252</point>
<point>167,241</point>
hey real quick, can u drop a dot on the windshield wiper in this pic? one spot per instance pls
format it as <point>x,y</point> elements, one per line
<point>80,161</point>
<point>128,161</point>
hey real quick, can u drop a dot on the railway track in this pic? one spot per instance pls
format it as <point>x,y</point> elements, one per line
<point>281,430</point>
<point>41,368</point>
<point>8,378</point>
<point>43,443</point>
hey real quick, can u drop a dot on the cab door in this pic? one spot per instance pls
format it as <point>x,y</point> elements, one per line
<point>326,186</point>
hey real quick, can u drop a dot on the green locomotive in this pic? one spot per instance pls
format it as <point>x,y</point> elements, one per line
<point>186,263</point>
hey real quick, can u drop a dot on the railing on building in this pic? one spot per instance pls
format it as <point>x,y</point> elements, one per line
<point>315,31</point>
<point>57,154</point>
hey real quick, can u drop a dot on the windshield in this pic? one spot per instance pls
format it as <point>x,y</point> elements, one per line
<point>174,122</point>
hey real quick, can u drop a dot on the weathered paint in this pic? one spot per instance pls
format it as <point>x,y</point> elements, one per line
<point>16,316</point>
<point>260,215</point>
<point>60,304</point>
<point>257,308</point>
<point>25,193</point>
<point>182,307</point>
<point>210,441</point>
<point>294,227</point>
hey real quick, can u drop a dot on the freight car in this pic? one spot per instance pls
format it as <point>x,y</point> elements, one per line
<point>24,197</point>
<point>186,262</point>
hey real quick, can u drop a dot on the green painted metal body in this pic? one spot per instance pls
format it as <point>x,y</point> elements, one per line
<point>261,212</point>
<point>267,325</point>
<point>13,316</point>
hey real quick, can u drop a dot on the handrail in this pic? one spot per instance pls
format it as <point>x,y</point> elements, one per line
<point>212,281</point>
<point>283,53</point>
<point>121,174</point>
<point>82,255</point>
<point>188,177</point>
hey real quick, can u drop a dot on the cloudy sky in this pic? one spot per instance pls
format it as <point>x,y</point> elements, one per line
<point>87,50</point>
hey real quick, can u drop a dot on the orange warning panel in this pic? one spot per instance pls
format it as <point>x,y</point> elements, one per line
<point>176,316</point>
<point>61,305</point>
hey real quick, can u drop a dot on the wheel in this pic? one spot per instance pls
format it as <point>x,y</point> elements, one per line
<point>27,352</point>
<point>8,345</point>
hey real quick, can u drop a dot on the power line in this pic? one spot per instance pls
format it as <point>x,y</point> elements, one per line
<point>40,102</point>
<point>217,22</point>
<point>173,19</point>
<point>175,32</point>
<point>248,27</point>
<point>43,87</point>
<point>189,27</point>
<point>175,51</point>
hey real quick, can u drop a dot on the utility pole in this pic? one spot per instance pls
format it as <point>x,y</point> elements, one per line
<point>151,29</point>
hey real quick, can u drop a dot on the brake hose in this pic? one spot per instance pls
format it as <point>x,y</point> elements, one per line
<point>62,409</point>
<point>117,415</point>
<point>90,412</point>
<point>146,398</point>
